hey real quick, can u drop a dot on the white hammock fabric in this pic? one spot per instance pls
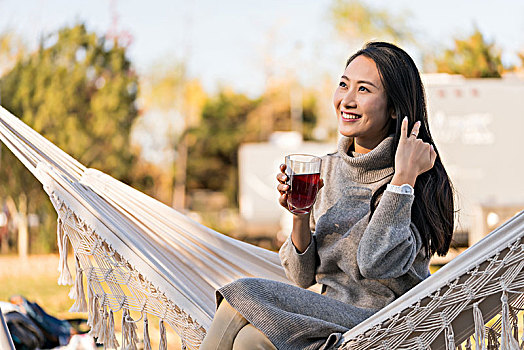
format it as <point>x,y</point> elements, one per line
<point>141,257</point>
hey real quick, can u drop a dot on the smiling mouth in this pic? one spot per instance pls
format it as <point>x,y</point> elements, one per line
<point>350,116</point>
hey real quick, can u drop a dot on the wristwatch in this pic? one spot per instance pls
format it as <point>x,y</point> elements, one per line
<point>402,189</point>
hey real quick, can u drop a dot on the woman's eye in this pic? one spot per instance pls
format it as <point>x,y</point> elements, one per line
<point>342,84</point>
<point>361,88</point>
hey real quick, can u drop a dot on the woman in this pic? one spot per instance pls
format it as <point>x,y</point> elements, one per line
<point>385,208</point>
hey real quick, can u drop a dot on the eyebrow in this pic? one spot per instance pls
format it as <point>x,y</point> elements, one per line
<point>361,81</point>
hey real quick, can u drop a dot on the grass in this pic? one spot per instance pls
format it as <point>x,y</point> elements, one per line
<point>36,279</point>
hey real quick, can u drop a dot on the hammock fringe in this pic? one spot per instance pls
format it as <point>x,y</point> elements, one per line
<point>163,337</point>
<point>129,328</point>
<point>103,326</point>
<point>507,342</point>
<point>450,337</point>
<point>77,291</point>
<point>480,331</point>
<point>94,319</point>
<point>147,340</point>
<point>111,341</point>
<point>65,277</point>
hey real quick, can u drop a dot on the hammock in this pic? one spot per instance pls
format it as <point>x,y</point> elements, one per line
<point>141,257</point>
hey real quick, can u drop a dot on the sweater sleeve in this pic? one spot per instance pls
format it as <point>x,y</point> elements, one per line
<point>299,267</point>
<point>390,242</point>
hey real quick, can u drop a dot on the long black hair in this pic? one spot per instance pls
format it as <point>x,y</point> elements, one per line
<point>432,211</point>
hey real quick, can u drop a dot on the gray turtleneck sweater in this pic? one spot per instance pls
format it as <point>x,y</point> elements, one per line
<point>362,264</point>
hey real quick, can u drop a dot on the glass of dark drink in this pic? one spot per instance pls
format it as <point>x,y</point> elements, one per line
<point>303,172</point>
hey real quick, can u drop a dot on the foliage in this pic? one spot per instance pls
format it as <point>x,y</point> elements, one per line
<point>273,112</point>
<point>173,103</point>
<point>230,119</point>
<point>12,49</point>
<point>472,57</point>
<point>168,88</point>
<point>213,145</point>
<point>79,91</point>
<point>355,20</point>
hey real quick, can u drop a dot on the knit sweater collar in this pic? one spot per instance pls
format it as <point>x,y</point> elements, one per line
<point>370,167</point>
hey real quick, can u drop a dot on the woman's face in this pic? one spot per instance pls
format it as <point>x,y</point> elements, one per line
<point>361,104</point>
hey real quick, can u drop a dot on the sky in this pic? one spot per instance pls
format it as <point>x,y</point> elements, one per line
<point>237,43</point>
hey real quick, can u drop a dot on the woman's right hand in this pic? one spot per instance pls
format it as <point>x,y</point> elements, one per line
<point>283,187</point>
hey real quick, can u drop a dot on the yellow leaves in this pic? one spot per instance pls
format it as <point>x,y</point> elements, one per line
<point>355,19</point>
<point>473,57</point>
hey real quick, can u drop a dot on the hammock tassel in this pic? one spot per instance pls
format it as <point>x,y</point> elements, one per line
<point>102,326</point>
<point>147,340</point>
<point>450,337</point>
<point>480,331</point>
<point>98,322</point>
<point>94,319</point>
<point>129,337</point>
<point>77,291</point>
<point>65,277</point>
<point>507,342</point>
<point>95,316</point>
<point>110,339</point>
<point>92,300</point>
<point>163,337</point>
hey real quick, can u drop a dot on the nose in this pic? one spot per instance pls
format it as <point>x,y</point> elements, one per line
<point>348,100</point>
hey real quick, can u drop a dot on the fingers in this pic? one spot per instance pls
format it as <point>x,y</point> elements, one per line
<point>282,177</point>
<point>404,128</point>
<point>415,130</point>
<point>282,188</point>
<point>282,200</point>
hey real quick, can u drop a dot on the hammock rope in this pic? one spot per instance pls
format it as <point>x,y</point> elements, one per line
<point>140,257</point>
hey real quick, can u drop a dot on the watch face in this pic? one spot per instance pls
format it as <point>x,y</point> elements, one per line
<point>407,189</point>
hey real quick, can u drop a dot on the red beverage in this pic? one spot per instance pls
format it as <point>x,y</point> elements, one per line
<point>303,191</point>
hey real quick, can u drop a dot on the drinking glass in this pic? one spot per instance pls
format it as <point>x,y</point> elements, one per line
<point>303,172</point>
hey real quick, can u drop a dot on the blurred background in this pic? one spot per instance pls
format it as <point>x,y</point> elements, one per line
<point>196,103</point>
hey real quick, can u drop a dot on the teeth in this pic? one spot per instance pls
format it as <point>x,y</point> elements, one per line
<point>349,116</point>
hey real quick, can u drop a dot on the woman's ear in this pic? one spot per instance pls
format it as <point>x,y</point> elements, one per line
<point>392,113</point>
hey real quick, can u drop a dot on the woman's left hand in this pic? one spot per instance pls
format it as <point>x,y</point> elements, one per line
<point>413,156</point>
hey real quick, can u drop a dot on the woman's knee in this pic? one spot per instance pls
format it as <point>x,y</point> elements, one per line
<point>224,328</point>
<point>250,338</point>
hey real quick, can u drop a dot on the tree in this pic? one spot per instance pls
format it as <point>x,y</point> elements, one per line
<point>355,20</point>
<point>274,111</point>
<point>172,103</point>
<point>472,57</point>
<point>214,143</point>
<point>12,49</point>
<point>230,119</point>
<point>79,91</point>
